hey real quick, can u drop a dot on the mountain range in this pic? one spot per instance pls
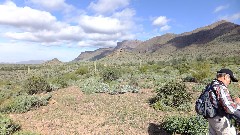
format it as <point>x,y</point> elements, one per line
<point>220,39</point>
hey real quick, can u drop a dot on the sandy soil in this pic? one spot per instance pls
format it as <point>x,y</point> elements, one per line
<point>70,112</point>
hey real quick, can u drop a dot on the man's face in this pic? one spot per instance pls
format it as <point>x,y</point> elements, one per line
<point>227,79</point>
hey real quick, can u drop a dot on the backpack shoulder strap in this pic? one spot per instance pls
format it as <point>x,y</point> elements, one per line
<point>220,109</point>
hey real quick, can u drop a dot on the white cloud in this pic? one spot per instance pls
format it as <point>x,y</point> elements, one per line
<point>108,6</point>
<point>27,17</point>
<point>233,17</point>
<point>36,26</point>
<point>52,5</point>
<point>44,37</point>
<point>67,34</point>
<point>165,28</point>
<point>127,14</point>
<point>21,36</point>
<point>220,8</point>
<point>162,21</point>
<point>94,43</point>
<point>40,26</point>
<point>101,24</point>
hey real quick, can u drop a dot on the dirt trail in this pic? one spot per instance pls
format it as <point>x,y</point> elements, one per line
<point>70,112</point>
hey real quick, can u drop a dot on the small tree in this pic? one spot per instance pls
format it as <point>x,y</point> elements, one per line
<point>201,71</point>
<point>110,74</point>
<point>82,70</point>
<point>36,84</point>
<point>172,95</point>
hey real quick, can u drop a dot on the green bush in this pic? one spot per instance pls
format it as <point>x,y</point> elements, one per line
<point>201,71</point>
<point>143,69</point>
<point>189,79</point>
<point>82,70</point>
<point>23,103</point>
<point>194,125</point>
<point>183,67</point>
<point>36,84</point>
<point>70,76</point>
<point>93,85</point>
<point>59,82</point>
<point>7,127</point>
<point>198,87</point>
<point>110,74</point>
<point>121,89</point>
<point>172,94</point>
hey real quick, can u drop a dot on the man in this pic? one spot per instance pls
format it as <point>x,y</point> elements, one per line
<point>221,124</point>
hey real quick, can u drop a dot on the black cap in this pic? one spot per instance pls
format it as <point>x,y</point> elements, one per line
<point>228,71</point>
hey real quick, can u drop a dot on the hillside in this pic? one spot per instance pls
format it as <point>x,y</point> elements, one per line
<point>54,61</point>
<point>223,35</point>
<point>94,55</point>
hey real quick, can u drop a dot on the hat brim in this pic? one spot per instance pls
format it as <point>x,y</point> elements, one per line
<point>233,79</point>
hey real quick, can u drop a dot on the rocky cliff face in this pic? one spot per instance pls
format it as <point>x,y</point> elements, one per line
<point>94,55</point>
<point>128,45</point>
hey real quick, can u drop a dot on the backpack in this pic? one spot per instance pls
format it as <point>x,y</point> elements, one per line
<point>204,106</point>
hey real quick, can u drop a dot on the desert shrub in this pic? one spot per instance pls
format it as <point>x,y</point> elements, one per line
<point>201,71</point>
<point>93,85</point>
<point>143,69</point>
<point>155,68</point>
<point>121,89</point>
<point>199,87</point>
<point>151,62</point>
<point>234,90</point>
<point>4,94</point>
<point>194,125</point>
<point>182,67</point>
<point>110,74</point>
<point>7,126</point>
<point>226,60</point>
<point>36,84</point>
<point>96,85</point>
<point>189,79</point>
<point>59,82</point>
<point>23,103</point>
<point>69,76</point>
<point>172,94</point>
<point>82,70</point>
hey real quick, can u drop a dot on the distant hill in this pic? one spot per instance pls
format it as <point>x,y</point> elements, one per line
<point>220,39</point>
<point>54,61</point>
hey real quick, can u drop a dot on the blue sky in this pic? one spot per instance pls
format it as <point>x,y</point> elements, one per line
<point>47,29</point>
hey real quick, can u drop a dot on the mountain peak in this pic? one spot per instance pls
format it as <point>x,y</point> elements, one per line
<point>222,21</point>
